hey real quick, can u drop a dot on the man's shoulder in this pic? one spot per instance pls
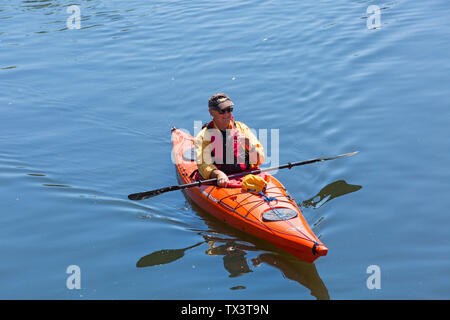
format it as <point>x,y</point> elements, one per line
<point>240,124</point>
<point>204,132</point>
<point>201,133</point>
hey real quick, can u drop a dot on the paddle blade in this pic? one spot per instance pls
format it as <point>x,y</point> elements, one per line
<point>341,156</point>
<point>139,196</point>
<point>349,154</point>
<point>152,193</point>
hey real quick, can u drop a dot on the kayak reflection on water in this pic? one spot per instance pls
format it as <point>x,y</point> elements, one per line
<point>292,268</point>
<point>235,262</point>
<point>233,254</point>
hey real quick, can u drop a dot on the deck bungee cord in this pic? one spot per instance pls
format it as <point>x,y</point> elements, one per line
<point>264,198</point>
<point>287,220</point>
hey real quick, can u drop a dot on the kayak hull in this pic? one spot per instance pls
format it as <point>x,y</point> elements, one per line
<point>246,211</point>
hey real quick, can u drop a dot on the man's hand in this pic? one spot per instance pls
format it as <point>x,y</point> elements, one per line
<point>222,178</point>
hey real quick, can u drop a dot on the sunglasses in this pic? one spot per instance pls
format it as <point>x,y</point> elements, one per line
<point>230,109</point>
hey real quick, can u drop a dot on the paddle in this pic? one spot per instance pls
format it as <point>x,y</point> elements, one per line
<point>152,193</point>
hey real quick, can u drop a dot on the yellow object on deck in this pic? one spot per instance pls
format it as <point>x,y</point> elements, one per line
<point>254,184</point>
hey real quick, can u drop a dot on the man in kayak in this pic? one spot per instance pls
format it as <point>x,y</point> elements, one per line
<point>225,146</point>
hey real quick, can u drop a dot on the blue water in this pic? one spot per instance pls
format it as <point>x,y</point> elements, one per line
<point>85,118</point>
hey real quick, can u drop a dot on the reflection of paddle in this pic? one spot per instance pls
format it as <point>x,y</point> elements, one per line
<point>163,256</point>
<point>331,191</point>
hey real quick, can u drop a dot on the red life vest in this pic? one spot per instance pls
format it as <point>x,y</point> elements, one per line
<point>228,168</point>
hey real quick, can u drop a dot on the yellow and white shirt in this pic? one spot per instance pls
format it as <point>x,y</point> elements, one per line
<point>204,146</point>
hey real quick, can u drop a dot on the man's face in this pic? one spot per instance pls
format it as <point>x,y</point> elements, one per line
<point>221,120</point>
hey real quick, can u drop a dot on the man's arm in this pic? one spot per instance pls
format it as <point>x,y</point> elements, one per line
<point>202,156</point>
<point>205,165</point>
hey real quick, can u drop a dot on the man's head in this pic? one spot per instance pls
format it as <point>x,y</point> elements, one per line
<point>220,101</point>
<point>220,108</point>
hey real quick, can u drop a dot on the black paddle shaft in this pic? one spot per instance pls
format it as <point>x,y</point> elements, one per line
<point>152,193</point>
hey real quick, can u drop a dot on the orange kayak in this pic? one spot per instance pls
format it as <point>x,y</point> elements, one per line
<point>274,217</point>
